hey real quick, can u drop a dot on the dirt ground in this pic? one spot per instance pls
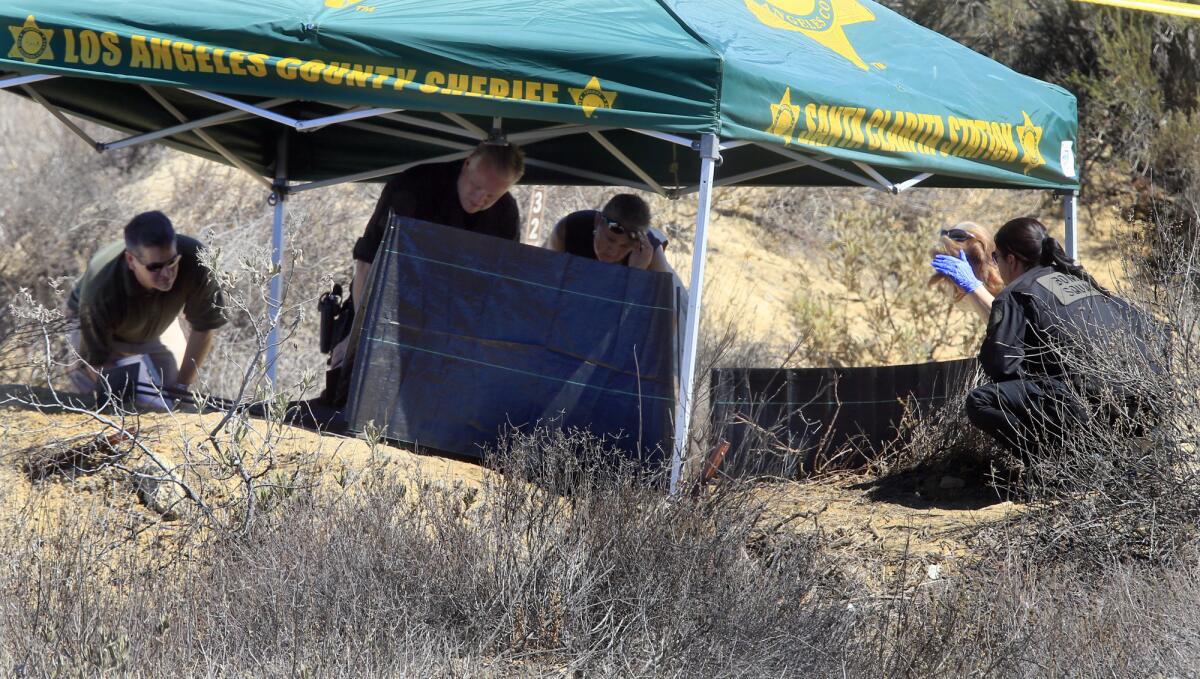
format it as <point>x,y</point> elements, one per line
<point>38,501</point>
<point>886,521</point>
<point>878,526</point>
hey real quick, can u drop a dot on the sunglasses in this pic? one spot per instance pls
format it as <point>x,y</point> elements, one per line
<point>615,226</point>
<point>957,235</point>
<point>155,267</point>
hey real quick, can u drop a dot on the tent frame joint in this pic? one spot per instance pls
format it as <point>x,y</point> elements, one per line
<point>497,136</point>
<point>708,146</point>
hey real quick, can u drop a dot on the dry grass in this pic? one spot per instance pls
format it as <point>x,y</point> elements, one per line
<point>563,564</point>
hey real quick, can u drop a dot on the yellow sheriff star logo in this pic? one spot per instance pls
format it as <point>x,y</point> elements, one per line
<point>821,20</point>
<point>784,117</point>
<point>1031,139</point>
<point>591,97</point>
<point>31,44</point>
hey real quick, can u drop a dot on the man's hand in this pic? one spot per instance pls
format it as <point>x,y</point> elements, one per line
<point>642,254</point>
<point>957,269</point>
<point>337,355</point>
<point>199,343</point>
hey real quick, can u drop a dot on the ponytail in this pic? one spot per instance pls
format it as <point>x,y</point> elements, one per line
<point>1048,255</point>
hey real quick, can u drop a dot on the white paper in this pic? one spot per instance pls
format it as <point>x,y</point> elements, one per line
<point>1066,158</point>
<point>148,382</point>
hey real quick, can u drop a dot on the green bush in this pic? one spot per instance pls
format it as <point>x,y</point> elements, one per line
<point>881,309</point>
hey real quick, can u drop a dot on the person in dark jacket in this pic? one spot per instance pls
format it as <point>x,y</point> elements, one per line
<point>617,234</point>
<point>1048,323</point>
<point>469,194</point>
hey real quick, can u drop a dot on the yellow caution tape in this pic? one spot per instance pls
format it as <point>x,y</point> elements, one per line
<point>1182,9</point>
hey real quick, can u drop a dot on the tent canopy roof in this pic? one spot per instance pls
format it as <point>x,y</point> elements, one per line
<point>800,92</point>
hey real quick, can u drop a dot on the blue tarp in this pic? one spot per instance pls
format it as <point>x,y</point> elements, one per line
<point>466,335</point>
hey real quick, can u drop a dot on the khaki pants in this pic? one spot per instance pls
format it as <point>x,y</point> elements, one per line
<point>166,353</point>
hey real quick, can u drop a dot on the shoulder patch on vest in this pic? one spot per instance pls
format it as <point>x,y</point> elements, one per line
<point>1067,289</point>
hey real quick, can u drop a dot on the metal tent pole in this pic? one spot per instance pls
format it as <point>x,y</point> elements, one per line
<point>710,153</point>
<point>1070,220</point>
<point>275,300</point>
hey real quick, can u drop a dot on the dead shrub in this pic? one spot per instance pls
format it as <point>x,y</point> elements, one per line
<point>562,565</point>
<point>1008,618</point>
<point>612,578</point>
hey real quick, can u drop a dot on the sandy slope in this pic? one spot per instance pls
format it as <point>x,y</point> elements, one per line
<point>32,508</point>
<point>887,527</point>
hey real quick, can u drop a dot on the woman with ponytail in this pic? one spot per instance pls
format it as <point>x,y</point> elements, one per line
<point>1051,320</point>
<point>1023,244</point>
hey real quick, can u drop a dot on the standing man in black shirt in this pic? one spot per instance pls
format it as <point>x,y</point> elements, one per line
<point>470,194</point>
<point>617,234</point>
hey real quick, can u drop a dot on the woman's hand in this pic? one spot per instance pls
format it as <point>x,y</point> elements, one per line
<point>957,269</point>
<point>642,254</point>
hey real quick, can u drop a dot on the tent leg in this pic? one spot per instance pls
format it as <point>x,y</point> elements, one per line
<point>709,155</point>
<point>275,300</point>
<point>1070,220</point>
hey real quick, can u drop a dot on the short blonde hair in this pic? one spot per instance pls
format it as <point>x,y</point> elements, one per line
<point>506,157</point>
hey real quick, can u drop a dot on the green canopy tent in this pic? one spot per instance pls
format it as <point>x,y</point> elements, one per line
<point>668,96</point>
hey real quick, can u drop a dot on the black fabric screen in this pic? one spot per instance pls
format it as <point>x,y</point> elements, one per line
<point>777,421</point>
<point>466,335</point>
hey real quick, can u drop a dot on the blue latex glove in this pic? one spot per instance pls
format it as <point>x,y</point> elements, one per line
<point>957,269</point>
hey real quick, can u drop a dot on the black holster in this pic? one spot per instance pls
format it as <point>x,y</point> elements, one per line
<point>337,316</point>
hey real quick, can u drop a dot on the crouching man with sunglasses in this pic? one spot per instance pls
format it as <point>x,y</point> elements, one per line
<point>133,291</point>
<point>617,234</point>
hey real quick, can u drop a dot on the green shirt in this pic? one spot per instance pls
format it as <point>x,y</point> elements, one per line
<point>113,306</point>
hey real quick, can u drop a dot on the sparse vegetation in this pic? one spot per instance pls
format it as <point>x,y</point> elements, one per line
<point>553,567</point>
<point>882,311</point>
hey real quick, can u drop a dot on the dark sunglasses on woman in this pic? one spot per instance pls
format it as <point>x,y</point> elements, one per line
<point>957,235</point>
<point>615,227</point>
